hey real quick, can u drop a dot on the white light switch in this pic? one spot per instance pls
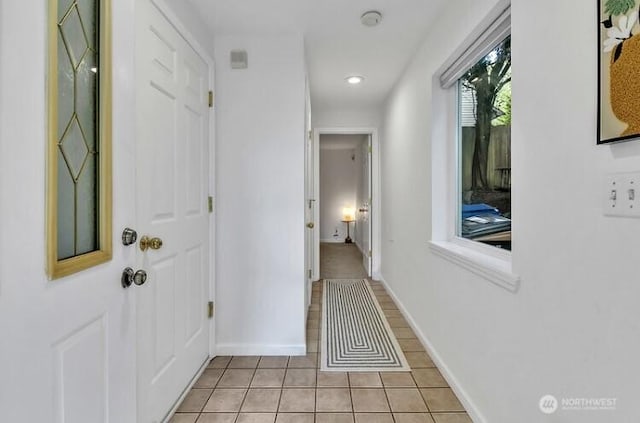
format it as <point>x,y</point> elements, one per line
<point>631,199</point>
<point>611,194</point>
<point>620,195</point>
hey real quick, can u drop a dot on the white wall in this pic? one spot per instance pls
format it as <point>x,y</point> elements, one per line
<point>346,118</point>
<point>572,329</point>
<point>260,136</point>
<point>338,189</point>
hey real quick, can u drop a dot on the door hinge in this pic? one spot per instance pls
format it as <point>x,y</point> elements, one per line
<point>309,273</point>
<point>211,99</point>
<point>210,310</point>
<point>370,253</point>
<point>210,202</point>
<point>310,135</point>
<point>370,149</point>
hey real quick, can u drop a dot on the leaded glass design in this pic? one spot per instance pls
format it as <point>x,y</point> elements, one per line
<point>77,135</point>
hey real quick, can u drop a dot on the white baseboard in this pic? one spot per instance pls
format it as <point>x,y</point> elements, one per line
<point>260,349</point>
<point>453,382</point>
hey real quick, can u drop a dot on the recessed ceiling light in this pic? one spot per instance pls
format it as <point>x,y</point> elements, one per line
<point>355,79</point>
<point>371,18</point>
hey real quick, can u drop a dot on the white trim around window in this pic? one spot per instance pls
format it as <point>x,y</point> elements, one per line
<point>494,29</point>
<point>490,263</point>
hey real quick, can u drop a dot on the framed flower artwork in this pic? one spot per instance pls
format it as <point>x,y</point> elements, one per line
<point>618,70</point>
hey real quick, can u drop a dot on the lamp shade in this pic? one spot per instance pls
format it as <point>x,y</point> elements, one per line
<point>348,214</point>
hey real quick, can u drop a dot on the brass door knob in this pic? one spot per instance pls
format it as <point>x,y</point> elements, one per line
<point>310,225</point>
<point>153,243</point>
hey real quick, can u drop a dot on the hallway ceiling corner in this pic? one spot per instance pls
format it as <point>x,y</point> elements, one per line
<point>337,44</point>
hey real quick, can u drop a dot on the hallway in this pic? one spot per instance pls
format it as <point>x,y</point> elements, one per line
<point>294,390</point>
<point>197,123</point>
<point>340,261</point>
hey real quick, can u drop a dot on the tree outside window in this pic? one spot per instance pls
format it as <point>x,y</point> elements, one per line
<point>485,137</point>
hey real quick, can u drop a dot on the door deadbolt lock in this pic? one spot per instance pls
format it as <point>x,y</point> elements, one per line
<point>310,225</point>
<point>129,236</point>
<point>130,277</point>
<point>153,243</point>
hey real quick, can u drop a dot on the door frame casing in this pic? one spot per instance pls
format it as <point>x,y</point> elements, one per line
<point>192,41</point>
<point>376,204</point>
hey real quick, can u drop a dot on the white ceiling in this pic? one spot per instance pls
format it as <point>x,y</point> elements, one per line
<point>336,43</point>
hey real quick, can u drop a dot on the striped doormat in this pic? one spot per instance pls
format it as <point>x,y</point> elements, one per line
<point>356,336</point>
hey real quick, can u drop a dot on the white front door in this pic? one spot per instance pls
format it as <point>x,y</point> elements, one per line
<point>172,154</point>
<point>66,346</point>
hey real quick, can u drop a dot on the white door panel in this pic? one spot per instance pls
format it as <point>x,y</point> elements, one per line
<point>80,369</point>
<point>172,154</point>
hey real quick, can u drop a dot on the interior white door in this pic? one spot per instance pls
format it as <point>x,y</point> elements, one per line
<point>171,204</point>
<point>315,188</point>
<point>368,223</point>
<point>309,214</point>
<point>363,217</point>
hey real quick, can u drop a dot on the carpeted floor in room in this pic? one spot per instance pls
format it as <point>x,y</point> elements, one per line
<point>341,261</point>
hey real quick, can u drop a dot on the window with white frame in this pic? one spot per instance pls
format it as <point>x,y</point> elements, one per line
<point>482,78</point>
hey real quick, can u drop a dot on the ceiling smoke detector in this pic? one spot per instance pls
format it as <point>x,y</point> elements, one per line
<point>371,18</point>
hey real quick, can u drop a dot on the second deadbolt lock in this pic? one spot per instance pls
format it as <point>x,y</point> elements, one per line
<point>129,236</point>
<point>154,243</point>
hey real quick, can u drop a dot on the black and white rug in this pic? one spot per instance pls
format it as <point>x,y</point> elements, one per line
<point>356,336</point>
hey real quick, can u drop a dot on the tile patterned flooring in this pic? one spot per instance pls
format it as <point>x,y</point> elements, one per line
<point>294,390</point>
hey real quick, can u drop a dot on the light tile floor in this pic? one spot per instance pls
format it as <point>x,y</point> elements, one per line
<point>294,390</point>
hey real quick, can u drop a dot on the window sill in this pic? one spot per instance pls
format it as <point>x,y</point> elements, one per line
<point>496,270</point>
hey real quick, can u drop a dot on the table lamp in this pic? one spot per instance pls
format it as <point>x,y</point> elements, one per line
<point>348,214</point>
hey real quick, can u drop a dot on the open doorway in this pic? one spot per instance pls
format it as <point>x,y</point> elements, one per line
<point>346,202</point>
<point>344,195</point>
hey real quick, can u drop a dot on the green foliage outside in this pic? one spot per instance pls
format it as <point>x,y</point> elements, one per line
<point>503,103</point>
<point>487,79</point>
<point>618,7</point>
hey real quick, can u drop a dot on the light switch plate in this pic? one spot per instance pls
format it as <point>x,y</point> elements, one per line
<point>621,195</point>
<point>631,195</point>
